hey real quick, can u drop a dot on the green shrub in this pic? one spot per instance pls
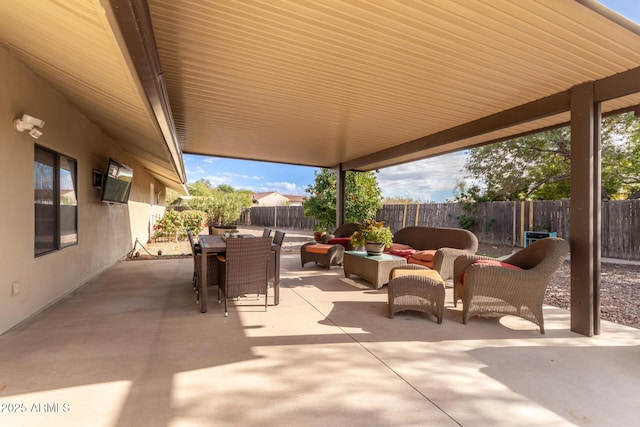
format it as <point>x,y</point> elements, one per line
<point>169,225</point>
<point>193,220</point>
<point>174,224</point>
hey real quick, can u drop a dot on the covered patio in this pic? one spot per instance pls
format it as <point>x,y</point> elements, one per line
<point>336,84</point>
<point>129,348</point>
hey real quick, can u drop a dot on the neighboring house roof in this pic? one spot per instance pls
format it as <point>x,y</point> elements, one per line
<point>258,196</point>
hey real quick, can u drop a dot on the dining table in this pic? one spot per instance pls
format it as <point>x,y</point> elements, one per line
<point>216,244</point>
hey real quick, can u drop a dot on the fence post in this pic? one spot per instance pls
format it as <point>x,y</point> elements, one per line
<point>404,216</point>
<point>530,214</point>
<point>513,235</point>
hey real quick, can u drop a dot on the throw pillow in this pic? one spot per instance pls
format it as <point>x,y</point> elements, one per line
<point>426,255</point>
<point>405,253</point>
<point>495,262</point>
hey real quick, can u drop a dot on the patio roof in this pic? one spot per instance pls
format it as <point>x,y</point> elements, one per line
<point>359,84</point>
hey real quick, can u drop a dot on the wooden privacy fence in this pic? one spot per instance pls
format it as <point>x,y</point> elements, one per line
<point>502,223</point>
<point>277,217</point>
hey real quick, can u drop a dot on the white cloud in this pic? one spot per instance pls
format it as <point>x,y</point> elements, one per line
<point>283,187</point>
<point>428,180</point>
<point>216,180</point>
<point>210,160</point>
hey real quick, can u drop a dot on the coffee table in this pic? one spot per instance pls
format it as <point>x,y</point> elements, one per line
<point>373,269</point>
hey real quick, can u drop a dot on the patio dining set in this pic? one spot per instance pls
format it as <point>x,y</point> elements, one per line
<point>238,264</point>
<point>421,260</point>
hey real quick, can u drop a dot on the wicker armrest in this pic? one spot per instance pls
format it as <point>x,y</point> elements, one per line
<point>326,237</point>
<point>444,258</point>
<point>463,261</point>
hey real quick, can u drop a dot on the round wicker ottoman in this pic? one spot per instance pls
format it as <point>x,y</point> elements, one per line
<point>413,287</point>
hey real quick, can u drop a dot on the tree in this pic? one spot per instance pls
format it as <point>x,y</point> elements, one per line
<point>398,200</point>
<point>201,187</point>
<point>223,204</point>
<point>362,194</point>
<point>539,166</point>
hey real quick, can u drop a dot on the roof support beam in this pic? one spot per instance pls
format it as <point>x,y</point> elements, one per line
<point>616,86</point>
<point>585,205</point>
<point>341,179</point>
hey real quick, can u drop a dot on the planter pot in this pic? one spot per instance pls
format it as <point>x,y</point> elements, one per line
<point>221,229</point>
<point>317,235</point>
<point>373,248</point>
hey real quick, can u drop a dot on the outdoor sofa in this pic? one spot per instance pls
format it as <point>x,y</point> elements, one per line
<point>434,247</point>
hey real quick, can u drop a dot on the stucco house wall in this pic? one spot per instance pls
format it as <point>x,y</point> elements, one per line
<point>270,199</point>
<point>105,232</point>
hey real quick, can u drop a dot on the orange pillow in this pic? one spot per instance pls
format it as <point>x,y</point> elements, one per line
<point>413,260</point>
<point>319,248</point>
<point>426,255</point>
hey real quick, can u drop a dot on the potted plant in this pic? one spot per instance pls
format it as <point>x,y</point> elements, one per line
<point>318,231</point>
<point>373,236</point>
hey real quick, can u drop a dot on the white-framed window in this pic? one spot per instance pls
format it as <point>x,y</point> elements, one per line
<point>55,201</point>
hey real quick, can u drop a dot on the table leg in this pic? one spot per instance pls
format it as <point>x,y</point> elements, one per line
<point>276,279</point>
<point>203,282</point>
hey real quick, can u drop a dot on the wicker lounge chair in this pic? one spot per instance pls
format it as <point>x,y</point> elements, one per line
<point>341,235</point>
<point>489,287</point>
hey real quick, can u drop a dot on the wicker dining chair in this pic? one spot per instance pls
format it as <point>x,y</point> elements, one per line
<point>244,269</point>
<point>278,237</point>
<point>513,286</point>
<point>212,267</point>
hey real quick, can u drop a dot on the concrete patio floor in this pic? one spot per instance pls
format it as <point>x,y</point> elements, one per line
<point>131,348</point>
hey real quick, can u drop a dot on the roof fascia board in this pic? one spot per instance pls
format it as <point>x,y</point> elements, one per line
<point>134,22</point>
<point>611,15</point>
<point>544,107</point>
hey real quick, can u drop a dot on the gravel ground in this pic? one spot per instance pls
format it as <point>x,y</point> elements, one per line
<point>619,288</point>
<point>620,283</point>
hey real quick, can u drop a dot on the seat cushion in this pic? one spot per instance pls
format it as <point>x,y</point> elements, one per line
<point>344,241</point>
<point>398,272</point>
<point>495,262</point>
<point>416,261</point>
<point>319,248</point>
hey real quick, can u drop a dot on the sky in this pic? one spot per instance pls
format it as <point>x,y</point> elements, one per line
<point>429,180</point>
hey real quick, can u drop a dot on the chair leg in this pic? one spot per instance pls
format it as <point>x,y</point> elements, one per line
<point>196,289</point>
<point>225,297</point>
